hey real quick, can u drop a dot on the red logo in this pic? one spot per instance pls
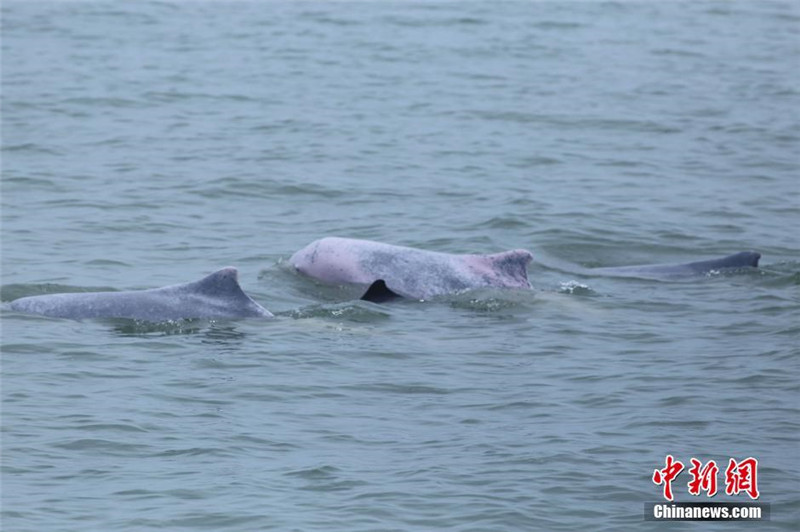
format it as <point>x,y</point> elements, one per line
<point>704,479</point>
<point>667,475</point>
<point>740,476</point>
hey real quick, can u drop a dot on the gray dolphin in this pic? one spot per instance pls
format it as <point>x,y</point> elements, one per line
<point>743,259</point>
<point>392,271</point>
<point>215,296</point>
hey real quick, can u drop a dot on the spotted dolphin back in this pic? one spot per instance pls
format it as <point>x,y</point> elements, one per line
<point>408,272</point>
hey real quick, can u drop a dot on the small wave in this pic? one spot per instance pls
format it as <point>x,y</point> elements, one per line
<point>782,274</point>
<point>329,19</point>
<point>676,52</point>
<point>503,222</point>
<point>434,22</point>
<point>577,122</point>
<point>194,451</point>
<point>116,427</point>
<point>104,102</point>
<point>315,473</point>
<point>532,162</point>
<point>179,96</point>
<point>100,446</point>
<point>30,182</point>
<point>30,147</point>
<point>131,327</point>
<point>575,288</point>
<point>493,301</point>
<point>558,25</point>
<point>234,187</point>
<point>490,305</point>
<point>402,389</point>
<point>108,262</point>
<point>356,312</point>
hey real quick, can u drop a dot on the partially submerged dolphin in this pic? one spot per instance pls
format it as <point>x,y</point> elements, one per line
<point>393,271</point>
<point>397,271</point>
<point>743,259</point>
<point>216,296</point>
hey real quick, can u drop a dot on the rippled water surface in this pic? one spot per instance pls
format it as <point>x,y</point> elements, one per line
<point>151,143</point>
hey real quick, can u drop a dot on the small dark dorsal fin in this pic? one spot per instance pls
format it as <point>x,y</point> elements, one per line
<point>743,259</point>
<point>221,282</point>
<point>378,292</point>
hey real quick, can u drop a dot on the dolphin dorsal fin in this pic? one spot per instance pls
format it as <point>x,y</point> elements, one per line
<point>378,292</point>
<point>224,281</point>
<point>742,259</point>
<point>513,263</point>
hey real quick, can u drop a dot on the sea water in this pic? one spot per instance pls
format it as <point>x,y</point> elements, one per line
<point>151,143</point>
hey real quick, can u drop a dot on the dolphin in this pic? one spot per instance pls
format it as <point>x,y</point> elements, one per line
<point>741,260</point>
<point>216,296</point>
<point>397,271</point>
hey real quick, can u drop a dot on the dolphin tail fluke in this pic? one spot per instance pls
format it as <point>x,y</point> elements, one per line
<point>378,292</point>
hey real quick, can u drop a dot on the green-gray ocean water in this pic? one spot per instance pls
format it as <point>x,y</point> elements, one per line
<point>150,143</point>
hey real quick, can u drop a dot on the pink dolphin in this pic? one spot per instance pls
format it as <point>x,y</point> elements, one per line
<point>392,271</point>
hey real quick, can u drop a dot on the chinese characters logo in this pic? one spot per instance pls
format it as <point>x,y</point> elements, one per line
<point>740,476</point>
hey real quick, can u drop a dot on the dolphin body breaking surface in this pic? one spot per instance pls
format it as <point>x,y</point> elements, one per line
<point>392,271</point>
<point>216,296</point>
<point>397,271</point>
<point>743,259</point>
